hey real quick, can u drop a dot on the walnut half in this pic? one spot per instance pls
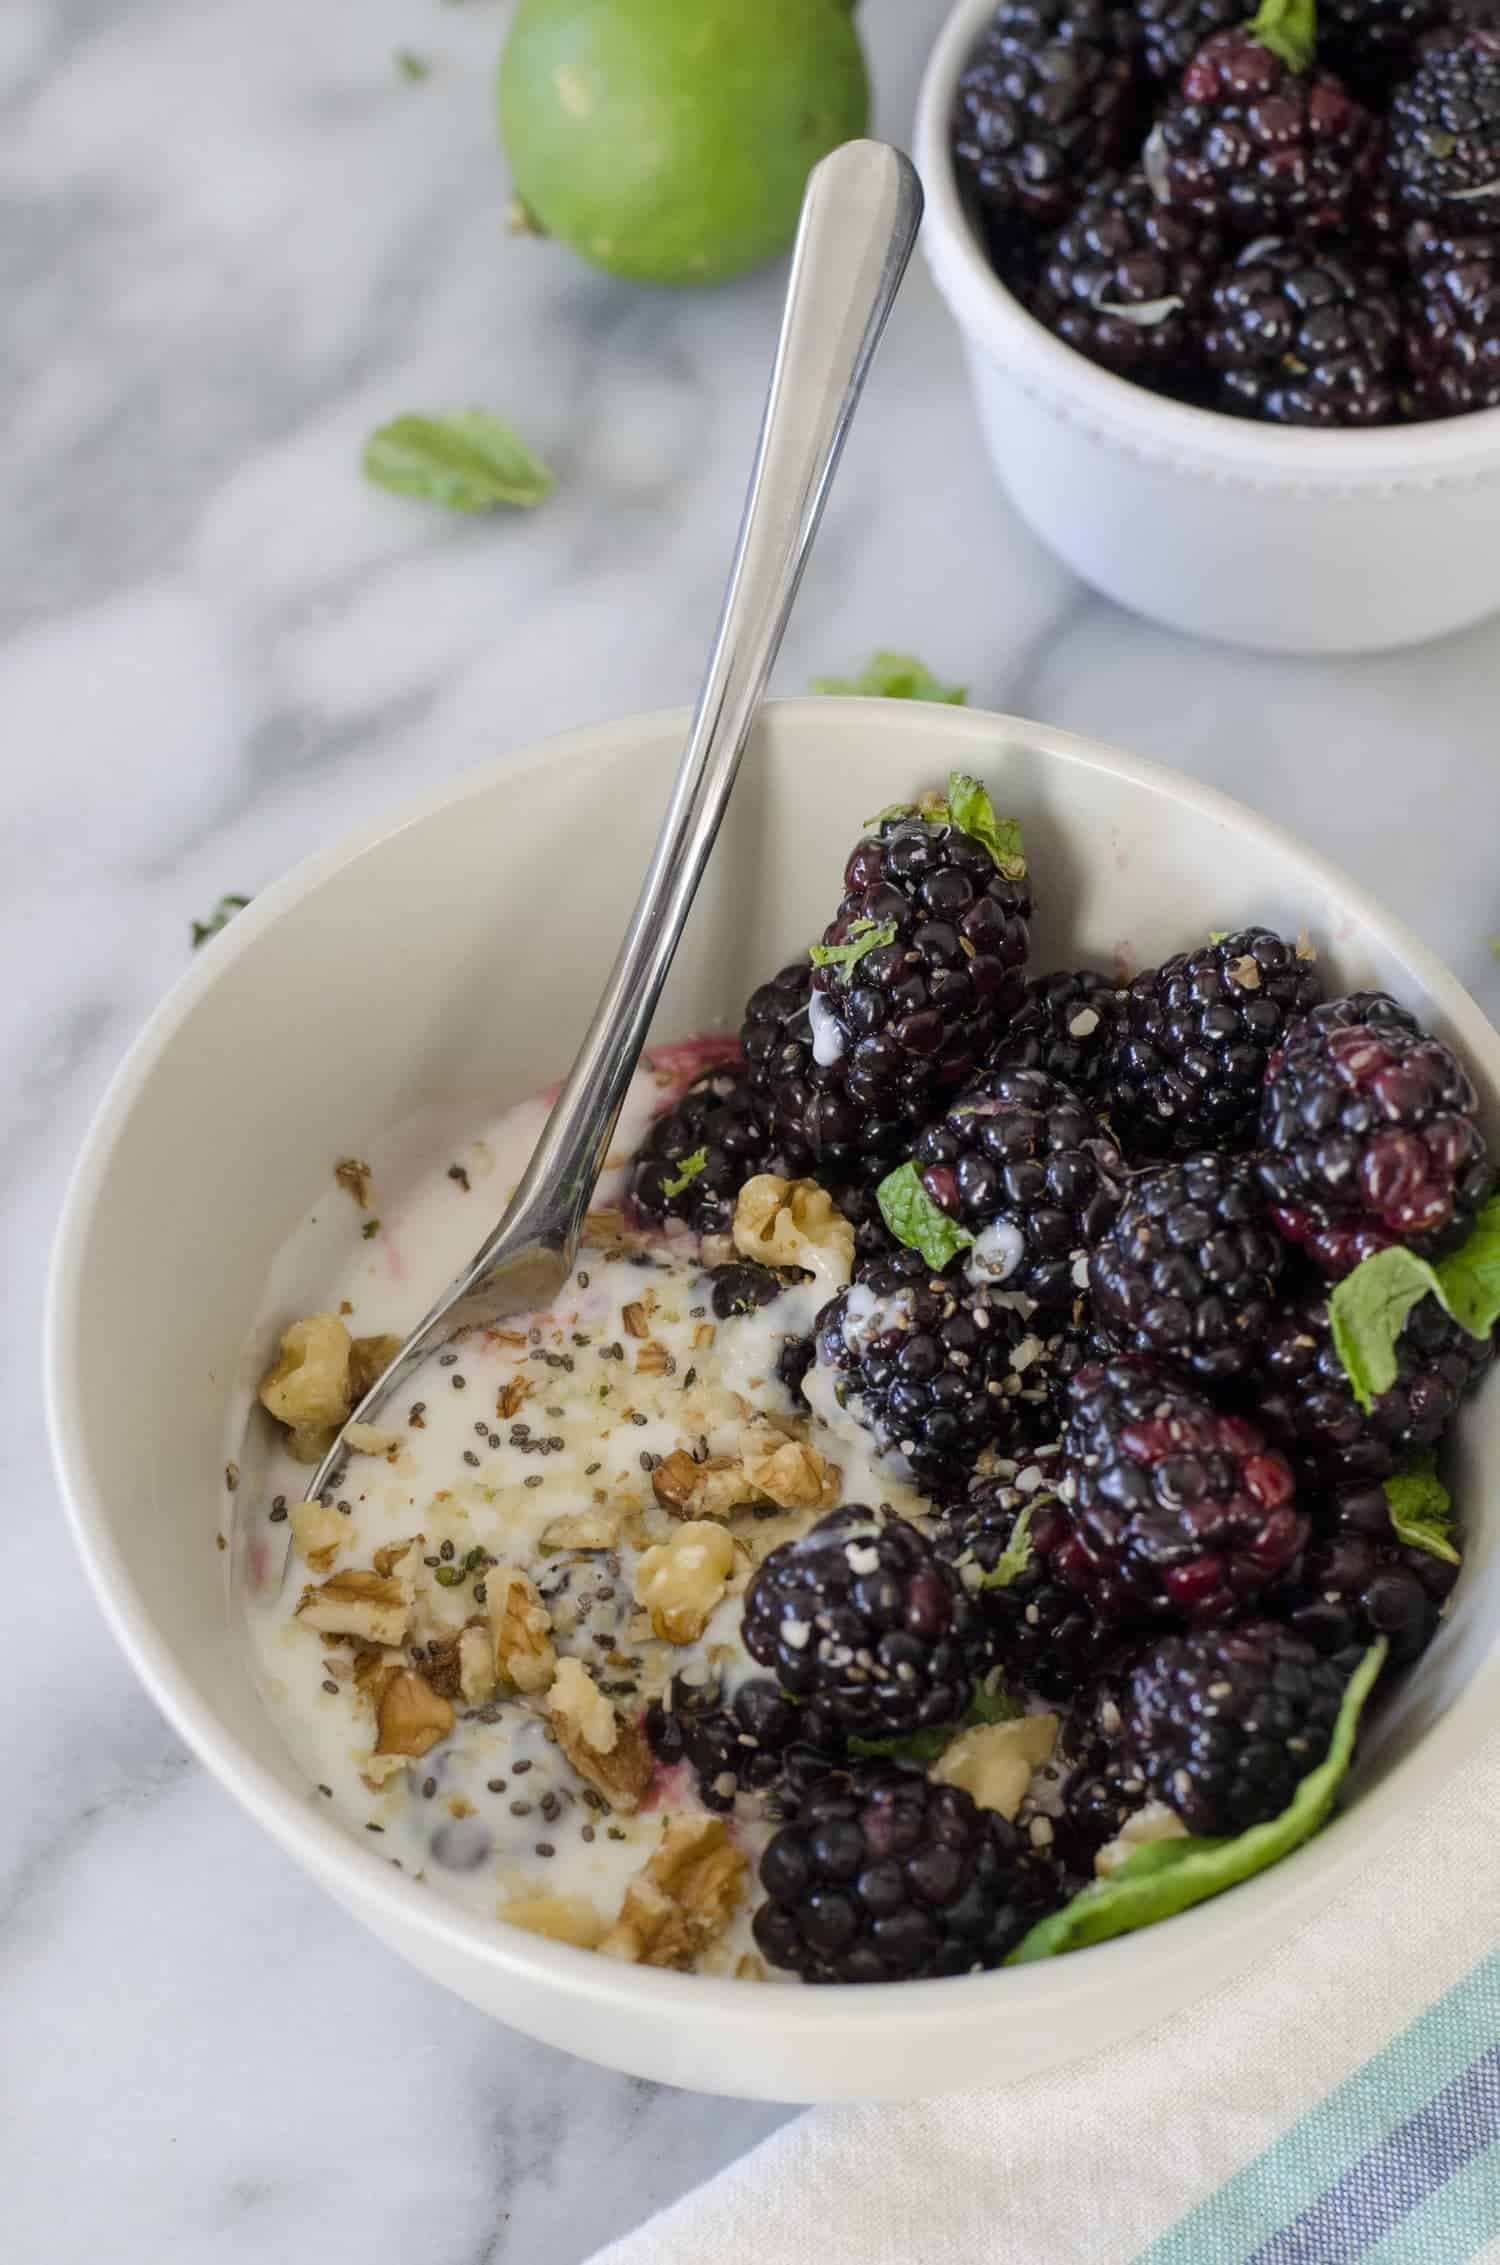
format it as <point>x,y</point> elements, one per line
<point>522,1629</point>
<point>682,1580</point>
<point>608,1753</point>
<point>781,1222</point>
<point>683,1899</point>
<point>372,1606</point>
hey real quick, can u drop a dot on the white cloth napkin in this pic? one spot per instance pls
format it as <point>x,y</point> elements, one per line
<point>1097,2163</point>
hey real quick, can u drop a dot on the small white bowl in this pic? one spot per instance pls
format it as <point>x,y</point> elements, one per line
<point>450,954</point>
<point>1263,535</point>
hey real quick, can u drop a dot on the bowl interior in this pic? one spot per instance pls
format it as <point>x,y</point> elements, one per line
<point>454,954</point>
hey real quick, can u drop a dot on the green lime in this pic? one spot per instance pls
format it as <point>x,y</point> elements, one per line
<point>670,140</point>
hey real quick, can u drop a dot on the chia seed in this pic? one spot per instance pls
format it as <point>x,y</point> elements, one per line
<point>447,1360</point>
<point>429,1787</point>
<point>330,1685</point>
<point>545,1848</point>
<point>458,1382</point>
<point>587,1833</point>
<point>534,1480</point>
<point>551,1807</point>
<point>416,1415</point>
<point>520,1808</point>
<point>278,1511</point>
<point>471,1458</point>
<point>495,1784</point>
<point>520,1768</point>
<point>445,1551</point>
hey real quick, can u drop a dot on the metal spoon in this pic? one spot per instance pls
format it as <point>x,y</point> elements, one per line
<point>859,223</point>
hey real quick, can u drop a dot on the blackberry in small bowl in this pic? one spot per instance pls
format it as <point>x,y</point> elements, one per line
<point>1026,1167</point>
<point>1190,1055</point>
<point>1189,1270</point>
<point>1306,334</point>
<point>1223,1723</point>
<point>1172,31</point>
<point>860,1617</point>
<point>1305,1400</point>
<point>1374,44</point>
<point>699,1153</point>
<point>1064,1026</point>
<point>1443,137</point>
<point>1358,1580</point>
<point>1125,281</point>
<point>1173,1507</point>
<point>1370,1129</point>
<point>1046,101</point>
<point>1045,1636</point>
<point>885,1877</point>
<point>1453,319</point>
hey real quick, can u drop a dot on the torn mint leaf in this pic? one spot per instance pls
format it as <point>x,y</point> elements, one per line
<point>465,460</point>
<point>223,912</point>
<point>687,1171</point>
<point>914,1219</point>
<point>895,676</point>
<point>1016,1555</point>
<point>1422,1514</point>
<point>972,812</point>
<point>864,937</point>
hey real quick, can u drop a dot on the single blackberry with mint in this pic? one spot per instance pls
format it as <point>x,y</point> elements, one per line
<point>860,1617</point>
<point>1306,1403</point>
<point>1443,134</point>
<point>1047,100</point>
<point>927,1364</point>
<point>1306,333</point>
<point>1223,1723</point>
<point>1357,1580</point>
<point>1453,318</point>
<point>916,975</point>
<point>1064,1026</point>
<point>1257,139</point>
<point>697,1155</point>
<point>1172,31</point>
<point>1174,1508</point>
<point>1045,1637</point>
<point>1125,281</point>
<point>735,1748</point>
<point>1189,1057</point>
<point>1022,1163</point>
<point>1189,1270</point>
<point>1370,1132</point>
<point>885,1877</point>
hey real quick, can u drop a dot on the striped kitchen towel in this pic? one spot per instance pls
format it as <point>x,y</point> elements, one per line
<point>1340,2103</point>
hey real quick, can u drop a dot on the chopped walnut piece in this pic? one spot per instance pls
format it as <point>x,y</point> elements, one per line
<point>634,1321</point>
<point>410,1717</point>
<point>781,1222</point>
<point>682,1581</point>
<point>715,1489</point>
<point>389,1556</point>
<point>374,1606</point>
<point>562,1918</point>
<point>307,1385</point>
<point>608,1753</point>
<point>477,1679</point>
<point>788,1472</point>
<point>674,1478</point>
<point>369,1358</point>
<point>653,1359</point>
<point>369,1439</point>
<point>582,1529</point>
<point>319,1532</point>
<point>521,1628</point>
<point>512,1397</point>
<point>683,1899</point>
<point>994,1763</point>
<point>355,1178</point>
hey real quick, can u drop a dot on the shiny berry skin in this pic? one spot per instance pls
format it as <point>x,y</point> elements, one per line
<point>1453,318</point>
<point>720,1130</point>
<point>1189,1270</point>
<point>1305,1401</point>
<point>1306,334</point>
<point>1357,1580</point>
<point>1124,280</point>
<point>1443,141</point>
<point>1063,1026</point>
<point>1047,99</point>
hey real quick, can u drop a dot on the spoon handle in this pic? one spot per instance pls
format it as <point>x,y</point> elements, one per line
<point>859,223</point>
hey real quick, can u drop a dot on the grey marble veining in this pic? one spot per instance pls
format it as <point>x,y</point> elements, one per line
<point>232,239</point>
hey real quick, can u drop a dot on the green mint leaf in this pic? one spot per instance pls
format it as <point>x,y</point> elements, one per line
<point>1470,1276</point>
<point>1368,1311</point>
<point>864,937</point>
<point>891,810</point>
<point>895,676</point>
<point>1422,1514</point>
<point>370,1229</point>
<point>411,66</point>
<point>223,912</point>
<point>972,811</point>
<point>1016,1555</point>
<point>687,1171</point>
<point>1217,935</point>
<point>914,1219</point>
<point>1168,1876</point>
<point>1288,28</point>
<point>466,460</point>
<point>991,1703</point>
<point>1495,946</point>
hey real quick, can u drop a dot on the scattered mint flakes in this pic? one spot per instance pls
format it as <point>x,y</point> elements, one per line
<point>991,1703</point>
<point>914,1219</point>
<point>895,676</point>
<point>864,936</point>
<point>686,1172</point>
<point>223,912</point>
<point>1422,1513</point>
<point>1369,1308</point>
<point>412,67</point>
<point>972,811</point>
<point>1167,1876</point>
<point>465,460</point>
<point>1016,1555</point>
<point>370,1229</point>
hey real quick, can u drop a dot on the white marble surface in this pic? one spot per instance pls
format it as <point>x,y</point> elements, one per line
<point>232,239</point>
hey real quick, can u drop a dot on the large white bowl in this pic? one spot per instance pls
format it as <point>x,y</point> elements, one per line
<point>1263,535</point>
<point>454,950</point>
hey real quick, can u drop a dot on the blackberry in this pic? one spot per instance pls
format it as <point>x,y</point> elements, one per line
<point>1357,1580</point>
<point>1224,1722</point>
<point>1189,1269</point>
<point>1045,1637</point>
<point>923,971</point>
<point>809,1115</point>
<point>1064,1026</point>
<point>1172,1507</point>
<point>1189,1059</point>
<point>742,1286</point>
<point>860,1616</point>
<point>1253,145</point>
<point>1172,31</point>
<point>885,1877</point>
<point>1098,1802</point>
<point>1365,1008</point>
<point>1373,44</point>
<point>733,1749</point>
<point>1307,1405</point>
<point>1125,281</point>
<point>1306,334</point>
<point>932,1368</point>
<point>1024,1164</point>
<point>1370,1131</point>
<point>1453,319</point>
<point>1047,100</point>
<point>720,1119</point>
<point>1443,134</point>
